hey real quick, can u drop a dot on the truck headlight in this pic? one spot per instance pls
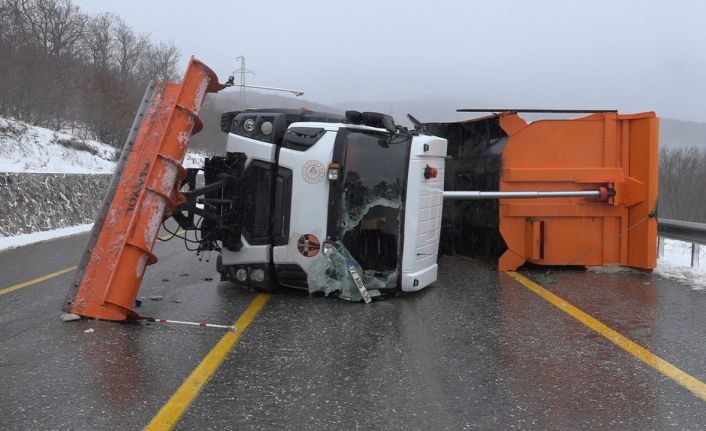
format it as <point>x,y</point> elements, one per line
<point>241,274</point>
<point>266,128</point>
<point>258,275</point>
<point>334,172</point>
<point>249,125</point>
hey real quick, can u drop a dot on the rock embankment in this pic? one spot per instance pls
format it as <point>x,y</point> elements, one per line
<point>32,202</point>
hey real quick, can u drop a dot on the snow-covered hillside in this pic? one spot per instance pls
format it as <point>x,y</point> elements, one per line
<point>25,148</point>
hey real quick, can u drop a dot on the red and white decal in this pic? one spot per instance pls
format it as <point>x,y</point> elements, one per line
<point>313,171</point>
<point>308,245</point>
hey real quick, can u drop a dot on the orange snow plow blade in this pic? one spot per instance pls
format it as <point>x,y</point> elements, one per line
<point>144,191</point>
<point>605,149</point>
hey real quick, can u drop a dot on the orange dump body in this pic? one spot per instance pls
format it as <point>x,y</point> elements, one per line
<point>605,149</point>
<point>143,193</point>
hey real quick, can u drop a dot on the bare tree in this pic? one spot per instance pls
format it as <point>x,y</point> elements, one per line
<point>56,26</point>
<point>682,183</point>
<point>99,42</point>
<point>128,48</point>
<point>60,66</point>
<point>159,62</point>
<point>11,29</point>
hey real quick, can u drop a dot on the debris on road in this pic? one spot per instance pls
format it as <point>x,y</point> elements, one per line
<point>70,317</point>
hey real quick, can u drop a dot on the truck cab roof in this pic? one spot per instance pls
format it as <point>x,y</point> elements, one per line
<point>271,125</point>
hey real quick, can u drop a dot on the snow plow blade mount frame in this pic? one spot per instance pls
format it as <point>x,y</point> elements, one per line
<point>143,192</point>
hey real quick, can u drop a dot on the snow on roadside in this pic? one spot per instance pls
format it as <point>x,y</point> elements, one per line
<point>25,148</point>
<point>9,242</point>
<point>675,264</point>
<point>194,160</point>
<point>31,149</point>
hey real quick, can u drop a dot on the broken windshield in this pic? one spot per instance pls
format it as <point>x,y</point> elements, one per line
<point>369,207</point>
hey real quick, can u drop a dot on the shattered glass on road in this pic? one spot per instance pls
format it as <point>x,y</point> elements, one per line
<point>329,274</point>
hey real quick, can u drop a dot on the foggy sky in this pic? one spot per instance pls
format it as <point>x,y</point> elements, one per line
<point>631,55</point>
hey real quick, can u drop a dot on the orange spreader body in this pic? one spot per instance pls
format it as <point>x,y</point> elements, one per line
<point>144,192</point>
<point>584,153</point>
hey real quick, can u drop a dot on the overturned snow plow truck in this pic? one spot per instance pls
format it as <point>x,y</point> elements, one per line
<point>356,206</point>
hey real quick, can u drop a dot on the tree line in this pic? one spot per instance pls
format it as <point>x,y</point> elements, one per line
<point>62,68</point>
<point>682,184</point>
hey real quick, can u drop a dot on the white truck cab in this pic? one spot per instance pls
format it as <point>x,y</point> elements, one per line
<point>325,203</point>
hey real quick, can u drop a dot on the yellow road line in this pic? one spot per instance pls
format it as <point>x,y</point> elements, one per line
<point>685,380</point>
<point>54,274</point>
<point>36,280</point>
<point>170,414</point>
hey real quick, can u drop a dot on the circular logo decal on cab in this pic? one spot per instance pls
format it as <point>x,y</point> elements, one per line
<point>313,171</point>
<point>308,245</point>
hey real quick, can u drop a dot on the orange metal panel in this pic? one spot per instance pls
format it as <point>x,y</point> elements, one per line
<point>605,149</point>
<point>108,281</point>
<point>576,175</point>
<point>644,165</point>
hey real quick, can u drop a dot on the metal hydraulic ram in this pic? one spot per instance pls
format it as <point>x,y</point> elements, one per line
<point>602,194</point>
<point>144,191</point>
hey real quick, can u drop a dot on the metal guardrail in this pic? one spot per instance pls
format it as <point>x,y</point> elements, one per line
<point>683,230</point>
<point>688,231</point>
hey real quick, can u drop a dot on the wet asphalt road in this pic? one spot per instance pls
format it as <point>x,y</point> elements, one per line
<point>476,351</point>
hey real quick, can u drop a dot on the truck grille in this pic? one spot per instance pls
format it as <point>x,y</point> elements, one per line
<point>257,196</point>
